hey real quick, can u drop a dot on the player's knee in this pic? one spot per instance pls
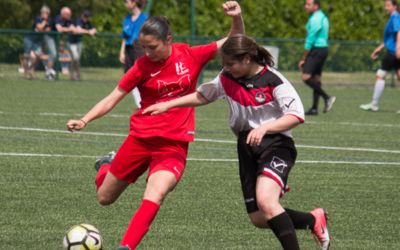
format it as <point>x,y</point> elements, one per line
<point>268,207</point>
<point>258,222</point>
<point>156,194</point>
<point>159,185</point>
<point>305,77</point>
<point>105,199</point>
<point>381,74</point>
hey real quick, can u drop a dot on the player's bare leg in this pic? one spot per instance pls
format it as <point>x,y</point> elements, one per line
<point>158,186</point>
<point>110,189</point>
<point>268,193</point>
<point>378,91</point>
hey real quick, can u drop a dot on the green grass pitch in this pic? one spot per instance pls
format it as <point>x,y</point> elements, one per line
<point>348,163</point>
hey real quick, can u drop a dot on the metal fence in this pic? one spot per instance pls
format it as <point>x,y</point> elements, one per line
<point>102,50</point>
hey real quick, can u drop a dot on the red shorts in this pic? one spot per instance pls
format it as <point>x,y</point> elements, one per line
<point>136,155</point>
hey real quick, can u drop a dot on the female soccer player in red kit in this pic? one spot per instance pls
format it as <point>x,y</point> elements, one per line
<point>264,107</point>
<point>165,72</point>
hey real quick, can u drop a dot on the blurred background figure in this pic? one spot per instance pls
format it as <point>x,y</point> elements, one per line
<point>82,26</point>
<point>63,22</point>
<point>64,56</point>
<point>130,48</point>
<point>33,44</point>
<point>44,23</point>
<point>315,54</point>
<point>391,61</point>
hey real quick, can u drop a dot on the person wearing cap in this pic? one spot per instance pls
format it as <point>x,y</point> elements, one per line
<point>83,26</point>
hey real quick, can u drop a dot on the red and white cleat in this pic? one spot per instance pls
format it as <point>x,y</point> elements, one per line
<point>320,230</point>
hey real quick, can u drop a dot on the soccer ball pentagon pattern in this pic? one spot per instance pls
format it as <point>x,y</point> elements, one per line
<point>82,237</point>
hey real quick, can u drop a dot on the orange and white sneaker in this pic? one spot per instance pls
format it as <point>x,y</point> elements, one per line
<point>320,229</point>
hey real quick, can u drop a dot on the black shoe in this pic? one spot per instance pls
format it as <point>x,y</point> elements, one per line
<point>312,111</point>
<point>123,248</point>
<point>106,159</point>
<point>329,103</point>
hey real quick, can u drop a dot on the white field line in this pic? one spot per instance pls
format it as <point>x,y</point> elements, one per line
<point>60,114</point>
<point>356,124</point>
<point>199,159</point>
<point>389,125</point>
<point>203,140</point>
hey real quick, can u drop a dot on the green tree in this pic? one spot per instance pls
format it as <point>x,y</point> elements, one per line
<point>350,19</point>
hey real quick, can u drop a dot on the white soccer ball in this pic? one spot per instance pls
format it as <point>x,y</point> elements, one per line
<point>83,237</point>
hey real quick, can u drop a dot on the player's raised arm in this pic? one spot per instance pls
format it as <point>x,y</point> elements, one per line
<point>232,9</point>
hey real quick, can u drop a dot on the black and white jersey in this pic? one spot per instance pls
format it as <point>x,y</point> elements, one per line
<point>253,102</point>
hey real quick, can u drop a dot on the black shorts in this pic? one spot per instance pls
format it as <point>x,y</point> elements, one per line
<point>274,158</point>
<point>315,61</point>
<point>390,62</point>
<point>132,52</point>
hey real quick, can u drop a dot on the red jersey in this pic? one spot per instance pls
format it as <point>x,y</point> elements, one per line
<point>160,82</point>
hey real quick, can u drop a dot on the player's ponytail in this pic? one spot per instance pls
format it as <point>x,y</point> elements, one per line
<point>238,46</point>
<point>158,27</point>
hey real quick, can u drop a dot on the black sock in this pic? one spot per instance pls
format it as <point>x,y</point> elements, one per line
<point>315,100</point>
<point>283,228</point>
<point>316,86</point>
<point>301,220</point>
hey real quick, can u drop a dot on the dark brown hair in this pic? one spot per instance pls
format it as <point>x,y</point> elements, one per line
<point>140,3</point>
<point>238,46</point>
<point>158,27</point>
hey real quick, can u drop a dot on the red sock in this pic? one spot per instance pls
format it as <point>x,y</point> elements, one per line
<point>101,175</point>
<point>140,223</point>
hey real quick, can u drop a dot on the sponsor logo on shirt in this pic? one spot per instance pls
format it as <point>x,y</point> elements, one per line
<point>249,85</point>
<point>154,74</point>
<point>181,68</point>
<point>173,88</point>
<point>177,170</point>
<point>288,103</point>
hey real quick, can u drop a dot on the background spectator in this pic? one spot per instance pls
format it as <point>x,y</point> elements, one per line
<point>63,22</point>
<point>44,23</point>
<point>33,43</point>
<point>83,25</point>
<point>64,56</point>
<point>130,48</point>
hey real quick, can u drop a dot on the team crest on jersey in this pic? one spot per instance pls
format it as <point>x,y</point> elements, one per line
<point>278,164</point>
<point>174,88</point>
<point>260,97</point>
<point>181,68</point>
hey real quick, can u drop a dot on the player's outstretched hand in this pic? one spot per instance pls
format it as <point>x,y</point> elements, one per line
<point>232,8</point>
<point>75,125</point>
<point>156,109</point>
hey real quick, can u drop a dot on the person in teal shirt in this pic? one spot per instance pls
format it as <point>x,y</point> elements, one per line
<point>315,54</point>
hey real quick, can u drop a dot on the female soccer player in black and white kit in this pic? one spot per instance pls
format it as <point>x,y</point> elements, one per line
<point>264,107</point>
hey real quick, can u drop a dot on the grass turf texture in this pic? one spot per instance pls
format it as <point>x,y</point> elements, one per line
<point>41,197</point>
